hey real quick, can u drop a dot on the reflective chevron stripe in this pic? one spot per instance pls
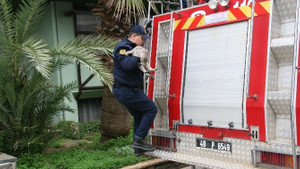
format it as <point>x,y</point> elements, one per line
<point>243,12</point>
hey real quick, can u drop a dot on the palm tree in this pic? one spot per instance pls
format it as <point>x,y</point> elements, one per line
<point>116,16</point>
<point>116,120</point>
<point>28,98</point>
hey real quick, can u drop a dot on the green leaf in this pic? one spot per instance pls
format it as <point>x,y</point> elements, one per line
<point>85,50</point>
<point>6,21</point>
<point>29,14</point>
<point>37,50</point>
<point>29,100</point>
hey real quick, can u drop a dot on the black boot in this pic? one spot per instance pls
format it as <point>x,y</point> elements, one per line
<point>139,144</point>
<point>138,152</point>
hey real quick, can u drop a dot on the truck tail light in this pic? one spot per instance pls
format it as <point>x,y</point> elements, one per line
<point>275,160</point>
<point>164,143</point>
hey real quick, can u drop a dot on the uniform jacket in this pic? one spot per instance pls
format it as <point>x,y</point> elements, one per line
<point>126,71</point>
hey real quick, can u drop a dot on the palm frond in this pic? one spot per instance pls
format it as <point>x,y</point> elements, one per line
<point>6,20</point>
<point>85,50</point>
<point>35,103</point>
<point>99,44</point>
<point>7,48</point>
<point>60,62</point>
<point>37,51</point>
<point>53,102</point>
<point>67,89</point>
<point>5,77</point>
<point>128,7</point>
<point>10,95</point>
<point>6,28</point>
<point>89,60</point>
<point>29,14</point>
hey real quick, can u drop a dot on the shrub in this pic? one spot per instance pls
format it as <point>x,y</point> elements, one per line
<point>89,127</point>
<point>1,140</point>
<point>28,98</point>
<point>31,161</point>
<point>108,156</point>
<point>74,130</point>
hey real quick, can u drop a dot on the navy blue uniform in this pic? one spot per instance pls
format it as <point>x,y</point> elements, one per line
<point>128,80</point>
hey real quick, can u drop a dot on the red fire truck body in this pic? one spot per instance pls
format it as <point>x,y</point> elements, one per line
<point>226,85</point>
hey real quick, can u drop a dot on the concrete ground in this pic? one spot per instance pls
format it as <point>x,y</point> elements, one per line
<point>193,167</point>
<point>158,163</point>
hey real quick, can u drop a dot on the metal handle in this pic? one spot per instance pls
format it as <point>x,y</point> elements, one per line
<point>155,2</point>
<point>249,48</point>
<point>168,3</point>
<point>172,3</point>
<point>251,134</point>
<point>209,123</point>
<point>231,125</point>
<point>252,96</point>
<point>171,95</point>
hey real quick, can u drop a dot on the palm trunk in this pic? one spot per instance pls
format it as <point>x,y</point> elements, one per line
<point>115,118</point>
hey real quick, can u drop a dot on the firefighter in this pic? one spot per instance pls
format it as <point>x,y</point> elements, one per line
<point>128,80</point>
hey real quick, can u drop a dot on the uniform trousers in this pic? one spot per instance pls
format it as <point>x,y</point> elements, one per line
<point>140,107</point>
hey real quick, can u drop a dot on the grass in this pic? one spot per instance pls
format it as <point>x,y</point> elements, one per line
<point>76,158</point>
<point>88,153</point>
<point>58,143</point>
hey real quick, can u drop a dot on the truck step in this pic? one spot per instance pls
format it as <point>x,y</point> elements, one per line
<point>280,101</point>
<point>282,48</point>
<point>199,161</point>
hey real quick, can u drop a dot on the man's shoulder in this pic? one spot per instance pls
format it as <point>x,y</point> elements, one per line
<point>124,43</point>
<point>121,49</point>
<point>123,46</point>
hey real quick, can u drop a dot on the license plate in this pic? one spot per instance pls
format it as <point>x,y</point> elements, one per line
<point>214,144</point>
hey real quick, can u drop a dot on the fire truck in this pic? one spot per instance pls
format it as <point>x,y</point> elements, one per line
<point>227,84</point>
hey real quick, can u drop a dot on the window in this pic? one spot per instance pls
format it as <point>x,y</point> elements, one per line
<point>85,21</point>
<point>89,109</point>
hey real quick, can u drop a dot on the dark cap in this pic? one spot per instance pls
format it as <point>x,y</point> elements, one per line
<point>140,30</point>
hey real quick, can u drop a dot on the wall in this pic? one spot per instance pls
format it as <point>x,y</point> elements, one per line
<point>57,28</point>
